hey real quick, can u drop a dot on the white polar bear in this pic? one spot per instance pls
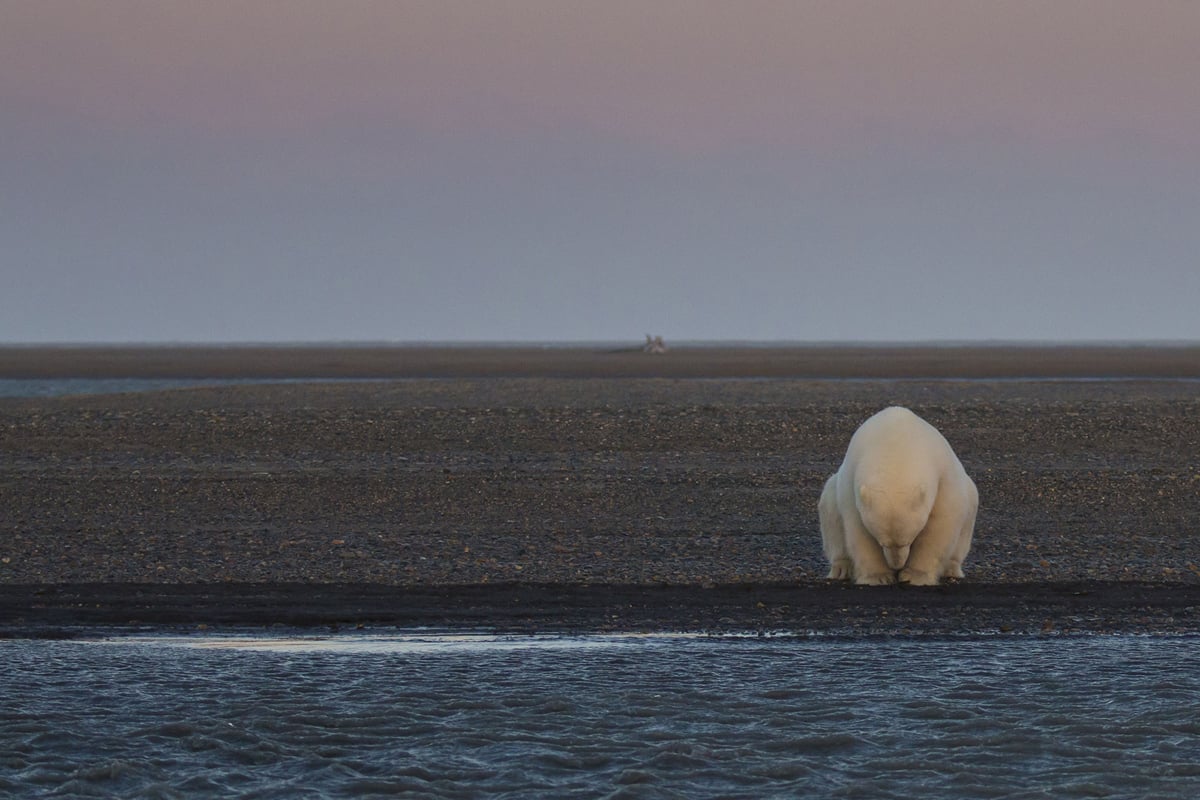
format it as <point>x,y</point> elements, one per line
<point>900,507</point>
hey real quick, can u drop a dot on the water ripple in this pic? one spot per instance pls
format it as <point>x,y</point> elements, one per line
<point>1054,717</point>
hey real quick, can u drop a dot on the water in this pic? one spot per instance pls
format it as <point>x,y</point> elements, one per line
<point>469,717</point>
<point>61,387</point>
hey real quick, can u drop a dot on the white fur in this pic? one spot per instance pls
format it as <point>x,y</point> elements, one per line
<point>900,507</point>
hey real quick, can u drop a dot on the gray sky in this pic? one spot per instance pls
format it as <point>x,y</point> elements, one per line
<point>433,171</point>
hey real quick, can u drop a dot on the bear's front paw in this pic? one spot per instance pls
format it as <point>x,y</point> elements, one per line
<point>915,578</point>
<point>877,579</point>
<point>841,570</point>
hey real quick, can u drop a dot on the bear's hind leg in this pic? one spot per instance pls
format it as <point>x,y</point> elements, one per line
<point>961,547</point>
<point>833,535</point>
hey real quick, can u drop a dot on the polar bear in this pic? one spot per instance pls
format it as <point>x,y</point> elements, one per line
<point>900,507</point>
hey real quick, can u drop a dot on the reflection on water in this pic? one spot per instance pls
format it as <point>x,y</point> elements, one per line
<point>614,716</point>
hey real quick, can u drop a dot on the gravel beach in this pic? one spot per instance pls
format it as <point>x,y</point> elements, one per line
<point>551,503</point>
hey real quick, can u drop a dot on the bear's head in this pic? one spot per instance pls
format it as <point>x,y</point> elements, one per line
<point>894,517</point>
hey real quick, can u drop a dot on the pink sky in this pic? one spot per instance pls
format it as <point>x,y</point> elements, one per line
<point>698,77</point>
<point>973,95</point>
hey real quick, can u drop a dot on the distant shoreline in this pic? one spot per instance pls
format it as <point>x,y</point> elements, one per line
<point>910,361</point>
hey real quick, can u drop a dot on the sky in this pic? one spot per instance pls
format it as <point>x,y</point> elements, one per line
<point>561,170</point>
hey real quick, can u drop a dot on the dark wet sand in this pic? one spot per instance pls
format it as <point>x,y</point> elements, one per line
<point>767,609</point>
<point>509,497</point>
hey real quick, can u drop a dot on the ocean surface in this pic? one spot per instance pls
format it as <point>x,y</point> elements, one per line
<point>424,715</point>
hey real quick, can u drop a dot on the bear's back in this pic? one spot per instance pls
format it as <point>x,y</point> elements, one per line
<point>895,440</point>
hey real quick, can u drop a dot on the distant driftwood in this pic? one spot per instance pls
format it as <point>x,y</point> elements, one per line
<point>654,344</point>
